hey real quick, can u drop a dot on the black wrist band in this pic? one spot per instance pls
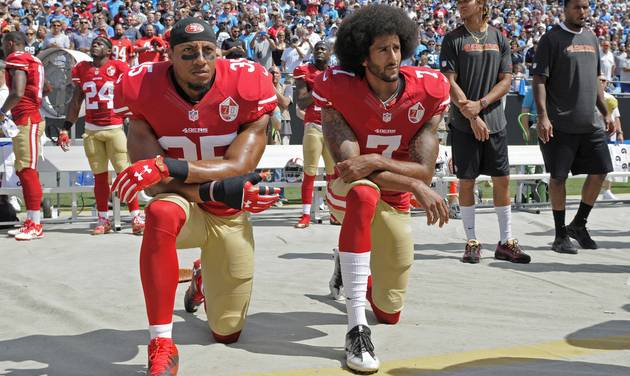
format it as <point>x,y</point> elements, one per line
<point>177,168</point>
<point>67,125</point>
<point>204,192</point>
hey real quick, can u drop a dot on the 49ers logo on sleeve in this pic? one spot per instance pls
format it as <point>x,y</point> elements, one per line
<point>416,112</point>
<point>193,28</point>
<point>111,71</point>
<point>228,109</point>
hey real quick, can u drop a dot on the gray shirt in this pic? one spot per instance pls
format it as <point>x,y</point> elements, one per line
<point>82,41</point>
<point>478,65</point>
<point>61,40</point>
<point>570,61</point>
<point>262,53</point>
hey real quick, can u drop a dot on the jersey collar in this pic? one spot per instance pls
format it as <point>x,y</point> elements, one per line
<point>565,28</point>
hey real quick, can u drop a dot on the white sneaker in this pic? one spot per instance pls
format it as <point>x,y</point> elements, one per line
<point>22,228</point>
<point>32,232</point>
<point>360,355</point>
<point>608,195</point>
<point>15,202</point>
<point>336,283</point>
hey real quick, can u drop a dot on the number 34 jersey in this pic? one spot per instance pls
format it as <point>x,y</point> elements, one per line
<point>97,84</point>
<point>386,130</point>
<point>242,93</point>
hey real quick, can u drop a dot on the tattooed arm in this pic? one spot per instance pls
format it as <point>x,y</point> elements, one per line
<point>343,146</point>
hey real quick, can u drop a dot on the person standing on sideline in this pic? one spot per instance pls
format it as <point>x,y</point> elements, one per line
<point>476,59</point>
<point>566,70</point>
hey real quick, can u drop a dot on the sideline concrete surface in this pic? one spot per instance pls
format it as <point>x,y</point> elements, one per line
<point>72,304</point>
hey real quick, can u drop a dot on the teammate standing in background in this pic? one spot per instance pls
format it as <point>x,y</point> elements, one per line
<point>104,139</point>
<point>566,70</point>
<point>380,124</point>
<point>313,140</point>
<point>24,75</point>
<point>122,49</point>
<point>476,59</point>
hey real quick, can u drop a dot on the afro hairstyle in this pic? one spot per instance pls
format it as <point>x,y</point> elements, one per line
<point>358,31</point>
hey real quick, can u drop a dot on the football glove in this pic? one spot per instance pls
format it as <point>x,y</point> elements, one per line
<point>138,176</point>
<point>63,141</point>
<point>9,128</point>
<point>239,192</point>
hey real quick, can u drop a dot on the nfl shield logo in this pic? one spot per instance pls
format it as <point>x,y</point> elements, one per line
<point>416,112</point>
<point>387,117</point>
<point>111,71</point>
<point>193,115</point>
<point>228,109</point>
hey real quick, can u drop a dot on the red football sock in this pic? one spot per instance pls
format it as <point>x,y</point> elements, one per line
<point>382,317</point>
<point>101,191</point>
<point>307,189</point>
<point>31,188</point>
<point>356,232</point>
<point>133,204</point>
<point>159,268</point>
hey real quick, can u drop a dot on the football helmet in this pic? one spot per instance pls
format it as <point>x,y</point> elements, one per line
<point>293,170</point>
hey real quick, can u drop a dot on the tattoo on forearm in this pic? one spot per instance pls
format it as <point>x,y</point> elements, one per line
<point>424,146</point>
<point>339,137</point>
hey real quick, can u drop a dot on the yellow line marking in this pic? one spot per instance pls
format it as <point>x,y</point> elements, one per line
<point>552,350</point>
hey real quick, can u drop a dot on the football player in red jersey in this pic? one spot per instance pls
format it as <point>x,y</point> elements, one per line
<point>150,48</point>
<point>212,114</point>
<point>122,49</point>
<point>24,75</point>
<point>104,139</point>
<point>380,124</point>
<point>313,141</point>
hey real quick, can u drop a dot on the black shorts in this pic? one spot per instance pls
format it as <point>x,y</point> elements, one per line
<point>472,158</point>
<point>584,153</point>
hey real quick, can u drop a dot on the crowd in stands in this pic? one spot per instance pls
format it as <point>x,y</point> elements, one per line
<point>283,33</point>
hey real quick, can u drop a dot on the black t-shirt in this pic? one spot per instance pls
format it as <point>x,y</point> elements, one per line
<point>570,61</point>
<point>478,65</point>
<point>231,42</point>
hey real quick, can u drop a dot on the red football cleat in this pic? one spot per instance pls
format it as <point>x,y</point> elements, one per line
<point>163,357</point>
<point>194,295</point>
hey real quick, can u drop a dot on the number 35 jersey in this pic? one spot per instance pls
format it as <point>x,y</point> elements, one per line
<point>386,130</point>
<point>242,93</point>
<point>97,84</point>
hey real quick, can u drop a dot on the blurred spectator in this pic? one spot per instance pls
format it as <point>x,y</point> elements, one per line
<point>150,48</point>
<point>33,45</point>
<point>263,46</point>
<point>82,39</point>
<point>606,60</point>
<point>56,38</point>
<point>233,47</point>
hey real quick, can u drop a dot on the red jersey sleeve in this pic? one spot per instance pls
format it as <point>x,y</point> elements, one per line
<point>18,61</point>
<point>437,87</point>
<point>127,92</point>
<point>259,89</point>
<point>299,72</point>
<point>322,93</point>
<point>76,74</point>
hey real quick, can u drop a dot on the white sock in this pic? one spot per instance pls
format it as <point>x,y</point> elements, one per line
<point>164,331</point>
<point>504,213</point>
<point>134,213</point>
<point>306,209</point>
<point>355,269</point>
<point>468,219</point>
<point>103,214</point>
<point>34,215</point>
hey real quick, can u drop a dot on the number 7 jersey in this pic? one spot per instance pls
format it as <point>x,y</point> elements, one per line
<point>386,130</point>
<point>97,84</point>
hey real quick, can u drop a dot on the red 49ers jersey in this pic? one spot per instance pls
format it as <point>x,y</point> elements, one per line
<point>308,73</point>
<point>122,50</point>
<point>97,84</point>
<point>242,92</point>
<point>385,129</point>
<point>150,55</point>
<point>28,106</point>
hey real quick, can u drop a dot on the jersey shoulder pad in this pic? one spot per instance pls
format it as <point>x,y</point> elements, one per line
<point>77,71</point>
<point>19,60</point>
<point>300,71</point>
<point>142,79</point>
<point>432,83</point>
<point>252,81</point>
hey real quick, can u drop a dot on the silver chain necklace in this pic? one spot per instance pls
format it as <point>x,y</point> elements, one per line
<point>387,101</point>
<point>478,39</point>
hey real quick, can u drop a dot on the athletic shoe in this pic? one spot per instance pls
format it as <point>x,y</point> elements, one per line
<point>194,295</point>
<point>102,227</point>
<point>564,245</point>
<point>22,228</point>
<point>472,252</point>
<point>163,357</point>
<point>32,232</point>
<point>360,355</point>
<point>608,195</point>
<point>336,284</point>
<point>137,225</point>
<point>305,221</point>
<point>580,233</point>
<point>512,252</point>
<point>454,212</point>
